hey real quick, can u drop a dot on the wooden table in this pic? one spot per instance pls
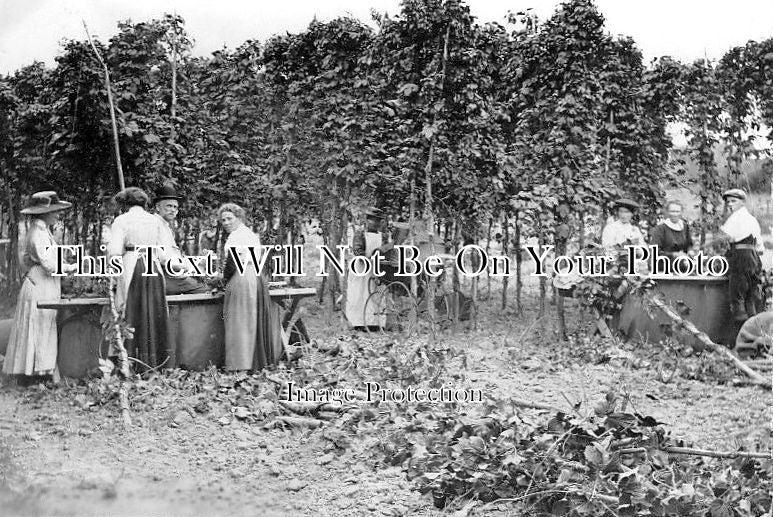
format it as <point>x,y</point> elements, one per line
<point>295,294</point>
<point>196,328</point>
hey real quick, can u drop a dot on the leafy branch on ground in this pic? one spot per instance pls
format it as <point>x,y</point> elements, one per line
<point>601,460</point>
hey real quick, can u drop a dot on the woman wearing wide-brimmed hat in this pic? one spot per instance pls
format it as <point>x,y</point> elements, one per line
<point>32,346</point>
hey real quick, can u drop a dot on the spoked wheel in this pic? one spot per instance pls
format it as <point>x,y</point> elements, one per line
<point>445,310</point>
<point>391,308</point>
<point>372,310</point>
<point>443,316</point>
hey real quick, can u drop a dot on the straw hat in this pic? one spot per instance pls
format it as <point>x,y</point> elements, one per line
<point>44,202</point>
<point>736,193</point>
<point>627,203</point>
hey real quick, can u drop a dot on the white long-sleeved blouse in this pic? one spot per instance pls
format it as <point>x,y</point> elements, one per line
<point>136,228</point>
<point>39,248</point>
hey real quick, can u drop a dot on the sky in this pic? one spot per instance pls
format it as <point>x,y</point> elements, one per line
<point>685,29</point>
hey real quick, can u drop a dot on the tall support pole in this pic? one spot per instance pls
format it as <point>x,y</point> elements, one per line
<point>116,147</point>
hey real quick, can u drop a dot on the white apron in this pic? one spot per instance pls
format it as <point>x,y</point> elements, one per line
<point>359,288</point>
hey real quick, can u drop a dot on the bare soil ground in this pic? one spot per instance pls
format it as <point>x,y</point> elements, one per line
<point>63,454</point>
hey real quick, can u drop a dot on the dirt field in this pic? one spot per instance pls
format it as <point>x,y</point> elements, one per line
<point>207,443</point>
<point>188,453</point>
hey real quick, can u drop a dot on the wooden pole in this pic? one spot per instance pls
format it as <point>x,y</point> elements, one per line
<point>706,341</point>
<point>412,229</point>
<point>173,107</point>
<point>488,247</point>
<point>518,264</point>
<point>701,452</point>
<point>429,218</point>
<point>542,285</point>
<point>116,147</point>
<point>505,252</point>
<point>123,357</point>
<point>608,146</point>
<point>11,258</point>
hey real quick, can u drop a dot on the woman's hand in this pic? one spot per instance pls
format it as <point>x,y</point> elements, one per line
<point>69,268</point>
<point>176,268</point>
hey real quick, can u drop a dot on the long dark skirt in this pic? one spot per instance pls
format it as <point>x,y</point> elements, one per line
<point>268,343</point>
<point>147,311</point>
<point>744,284</point>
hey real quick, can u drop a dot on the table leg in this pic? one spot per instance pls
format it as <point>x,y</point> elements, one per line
<point>288,317</point>
<point>289,311</point>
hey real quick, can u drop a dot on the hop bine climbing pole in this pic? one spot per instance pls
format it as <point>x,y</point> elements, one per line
<point>111,103</point>
<point>116,336</point>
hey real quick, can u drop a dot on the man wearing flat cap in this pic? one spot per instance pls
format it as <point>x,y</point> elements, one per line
<point>742,231</point>
<point>167,205</point>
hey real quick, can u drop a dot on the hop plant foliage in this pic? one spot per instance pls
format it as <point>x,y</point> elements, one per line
<point>603,461</point>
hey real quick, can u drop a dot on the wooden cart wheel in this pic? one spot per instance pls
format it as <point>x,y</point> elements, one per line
<point>403,309</point>
<point>445,310</point>
<point>374,309</point>
<point>393,308</point>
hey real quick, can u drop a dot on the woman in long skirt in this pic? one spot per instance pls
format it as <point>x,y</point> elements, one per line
<point>32,345</point>
<point>253,335</point>
<point>140,298</point>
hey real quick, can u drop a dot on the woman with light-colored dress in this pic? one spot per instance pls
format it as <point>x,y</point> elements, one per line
<point>253,335</point>
<point>32,345</point>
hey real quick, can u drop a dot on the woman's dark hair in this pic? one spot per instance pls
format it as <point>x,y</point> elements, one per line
<point>132,196</point>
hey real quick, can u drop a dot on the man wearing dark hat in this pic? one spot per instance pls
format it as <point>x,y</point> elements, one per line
<point>742,231</point>
<point>167,205</point>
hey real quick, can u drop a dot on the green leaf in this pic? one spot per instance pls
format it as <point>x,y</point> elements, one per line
<point>408,89</point>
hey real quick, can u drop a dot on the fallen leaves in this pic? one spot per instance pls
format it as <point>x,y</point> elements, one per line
<point>296,485</point>
<point>239,428</point>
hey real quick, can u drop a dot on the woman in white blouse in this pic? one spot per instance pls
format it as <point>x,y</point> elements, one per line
<point>253,338</point>
<point>621,231</point>
<point>32,346</point>
<point>141,298</point>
